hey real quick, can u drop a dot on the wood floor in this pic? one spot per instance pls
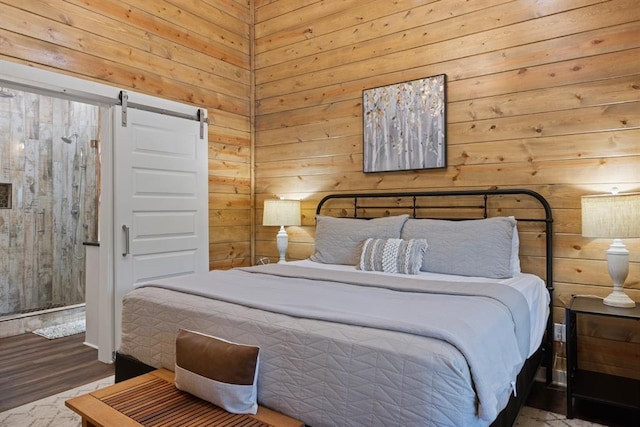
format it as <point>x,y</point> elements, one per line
<point>554,399</point>
<point>33,367</point>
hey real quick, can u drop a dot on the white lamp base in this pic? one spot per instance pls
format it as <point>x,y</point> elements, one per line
<point>618,263</point>
<point>282,241</point>
<point>619,299</point>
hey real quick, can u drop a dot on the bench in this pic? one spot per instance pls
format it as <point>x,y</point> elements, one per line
<point>152,399</point>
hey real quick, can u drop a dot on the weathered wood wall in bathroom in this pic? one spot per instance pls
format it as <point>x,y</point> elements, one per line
<point>191,52</point>
<point>542,95</point>
<point>54,208</point>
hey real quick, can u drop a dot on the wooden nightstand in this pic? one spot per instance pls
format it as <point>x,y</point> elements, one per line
<point>595,386</point>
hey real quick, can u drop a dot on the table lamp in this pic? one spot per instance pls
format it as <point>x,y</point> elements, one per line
<point>281,212</point>
<point>615,216</point>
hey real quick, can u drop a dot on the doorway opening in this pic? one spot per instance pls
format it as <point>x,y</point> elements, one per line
<point>50,169</point>
<point>106,285</point>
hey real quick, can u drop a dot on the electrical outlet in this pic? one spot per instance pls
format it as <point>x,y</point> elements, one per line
<point>559,333</point>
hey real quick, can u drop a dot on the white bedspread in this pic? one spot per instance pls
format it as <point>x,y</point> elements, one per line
<point>358,305</point>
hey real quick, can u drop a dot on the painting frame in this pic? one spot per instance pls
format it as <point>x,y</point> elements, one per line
<point>405,126</point>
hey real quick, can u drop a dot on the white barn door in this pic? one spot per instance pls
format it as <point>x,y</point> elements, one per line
<point>160,200</point>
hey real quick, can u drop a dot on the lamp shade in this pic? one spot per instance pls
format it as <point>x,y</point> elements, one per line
<point>281,212</point>
<point>615,216</point>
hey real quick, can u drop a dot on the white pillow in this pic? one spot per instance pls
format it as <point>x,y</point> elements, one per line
<point>393,255</point>
<point>218,371</point>
<point>515,250</point>
<point>481,248</point>
<point>339,240</point>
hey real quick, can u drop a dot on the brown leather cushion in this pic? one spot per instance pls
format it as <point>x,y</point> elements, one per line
<point>219,371</point>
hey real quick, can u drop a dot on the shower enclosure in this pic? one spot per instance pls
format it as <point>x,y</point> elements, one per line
<point>49,174</point>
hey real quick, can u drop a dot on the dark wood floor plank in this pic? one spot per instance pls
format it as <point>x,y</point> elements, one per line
<point>33,367</point>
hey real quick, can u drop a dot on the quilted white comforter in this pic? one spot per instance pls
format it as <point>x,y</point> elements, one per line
<point>322,372</point>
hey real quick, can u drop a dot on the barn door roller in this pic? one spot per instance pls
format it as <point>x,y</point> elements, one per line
<point>124,99</point>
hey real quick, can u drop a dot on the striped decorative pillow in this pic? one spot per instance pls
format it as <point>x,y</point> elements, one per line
<point>393,255</point>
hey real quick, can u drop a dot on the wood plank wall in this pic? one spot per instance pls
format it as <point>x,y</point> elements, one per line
<point>41,238</point>
<point>541,95</point>
<point>195,52</point>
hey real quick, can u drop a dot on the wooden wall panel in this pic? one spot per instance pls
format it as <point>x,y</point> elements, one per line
<point>196,52</point>
<point>56,208</point>
<point>542,95</point>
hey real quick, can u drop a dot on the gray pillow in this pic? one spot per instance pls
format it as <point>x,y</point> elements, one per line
<point>479,248</point>
<point>339,240</point>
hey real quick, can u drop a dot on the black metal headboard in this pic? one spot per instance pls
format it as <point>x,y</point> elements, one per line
<point>474,204</point>
<point>454,205</point>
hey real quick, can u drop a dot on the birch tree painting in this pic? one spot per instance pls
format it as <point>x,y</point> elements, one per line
<point>405,126</point>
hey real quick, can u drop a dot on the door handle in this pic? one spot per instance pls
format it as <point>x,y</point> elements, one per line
<point>126,240</point>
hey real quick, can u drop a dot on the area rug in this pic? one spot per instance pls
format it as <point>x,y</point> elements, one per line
<point>50,411</point>
<point>531,417</point>
<point>63,330</point>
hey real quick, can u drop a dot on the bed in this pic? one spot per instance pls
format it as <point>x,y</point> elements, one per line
<point>413,310</point>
